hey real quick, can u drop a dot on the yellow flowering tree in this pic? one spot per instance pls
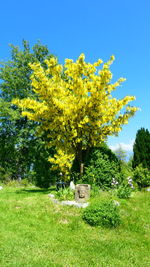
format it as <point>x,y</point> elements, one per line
<point>75,107</point>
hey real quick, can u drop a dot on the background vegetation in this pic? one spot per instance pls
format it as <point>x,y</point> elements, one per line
<point>23,154</point>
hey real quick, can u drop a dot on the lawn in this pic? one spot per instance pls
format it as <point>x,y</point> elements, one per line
<point>36,232</point>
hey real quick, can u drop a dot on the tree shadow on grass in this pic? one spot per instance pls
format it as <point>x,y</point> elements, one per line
<point>36,190</point>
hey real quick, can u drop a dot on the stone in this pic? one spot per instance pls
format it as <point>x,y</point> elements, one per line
<point>51,195</point>
<point>72,185</point>
<point>117,203</point>
<point>74,203</point>
<point>82,193</point>
<point>68,202</point>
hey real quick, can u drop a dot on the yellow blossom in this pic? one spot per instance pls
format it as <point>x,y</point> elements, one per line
<point>75,106</point>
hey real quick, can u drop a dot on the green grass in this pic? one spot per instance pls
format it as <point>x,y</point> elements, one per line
<point>36,232</point>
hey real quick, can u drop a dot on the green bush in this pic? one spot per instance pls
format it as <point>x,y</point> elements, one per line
<point>102,214</point>
<point>5,176</point>
<point>102,168</point>
<point>141,176</point>
<point>124,192</point>
<point>126,170</point>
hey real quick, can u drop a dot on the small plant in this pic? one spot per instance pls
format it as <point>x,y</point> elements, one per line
<point>25,182</point>
<point>13,183</point>
<point>114,183</point>
<point>65,194</point>
<point>102,214</point>
<point>124,191</point>
<point>95,191</point>
<point>130,182</point>
<point>19,183</point>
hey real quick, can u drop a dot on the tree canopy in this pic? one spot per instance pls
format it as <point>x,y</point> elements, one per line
<point>141,149</point>
<point>75,107</point>
<point>19,145</point>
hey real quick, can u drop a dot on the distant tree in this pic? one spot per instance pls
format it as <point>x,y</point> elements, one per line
<point>20,150</point>
<point>120,153</point>
<point>125,166</point>
<point>129,163</point>
<point>141,149</point>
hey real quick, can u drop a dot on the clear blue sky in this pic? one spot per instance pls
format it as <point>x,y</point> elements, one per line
<point>96,28</point>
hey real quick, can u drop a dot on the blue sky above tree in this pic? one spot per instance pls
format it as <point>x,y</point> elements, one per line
<point>97,28</point>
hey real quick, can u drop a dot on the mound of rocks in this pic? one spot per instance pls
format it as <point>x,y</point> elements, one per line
<point>68,202</point>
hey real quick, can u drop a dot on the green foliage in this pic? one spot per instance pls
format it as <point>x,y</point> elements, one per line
<point>102,214</point>
<point>41,173</point>
<point>101,167</point>
<point>125,170</point>
<point>65,194</point>
<point>141,176</point>
<point>95,191</point>
<point>5,176</point>
<point>141,149</point>
<point>22,153</point>
<point>124,191</point>
<point>15,73</point>
<point>18,183</point>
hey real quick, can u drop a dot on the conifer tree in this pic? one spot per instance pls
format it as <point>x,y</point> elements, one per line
<point>141,149</point>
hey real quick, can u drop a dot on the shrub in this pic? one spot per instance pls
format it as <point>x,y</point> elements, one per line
<point>124,191</point>
<point>102,214</point>
<point>13,183</point>
<point>101,169</point>
<point>141,176</point>
<point>5,176</point>
<point>100,166</point>
<point>126,170</point>
<point>25,182</point>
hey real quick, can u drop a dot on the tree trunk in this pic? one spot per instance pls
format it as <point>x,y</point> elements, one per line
<point>80,159</point>
<point>81,169</point>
